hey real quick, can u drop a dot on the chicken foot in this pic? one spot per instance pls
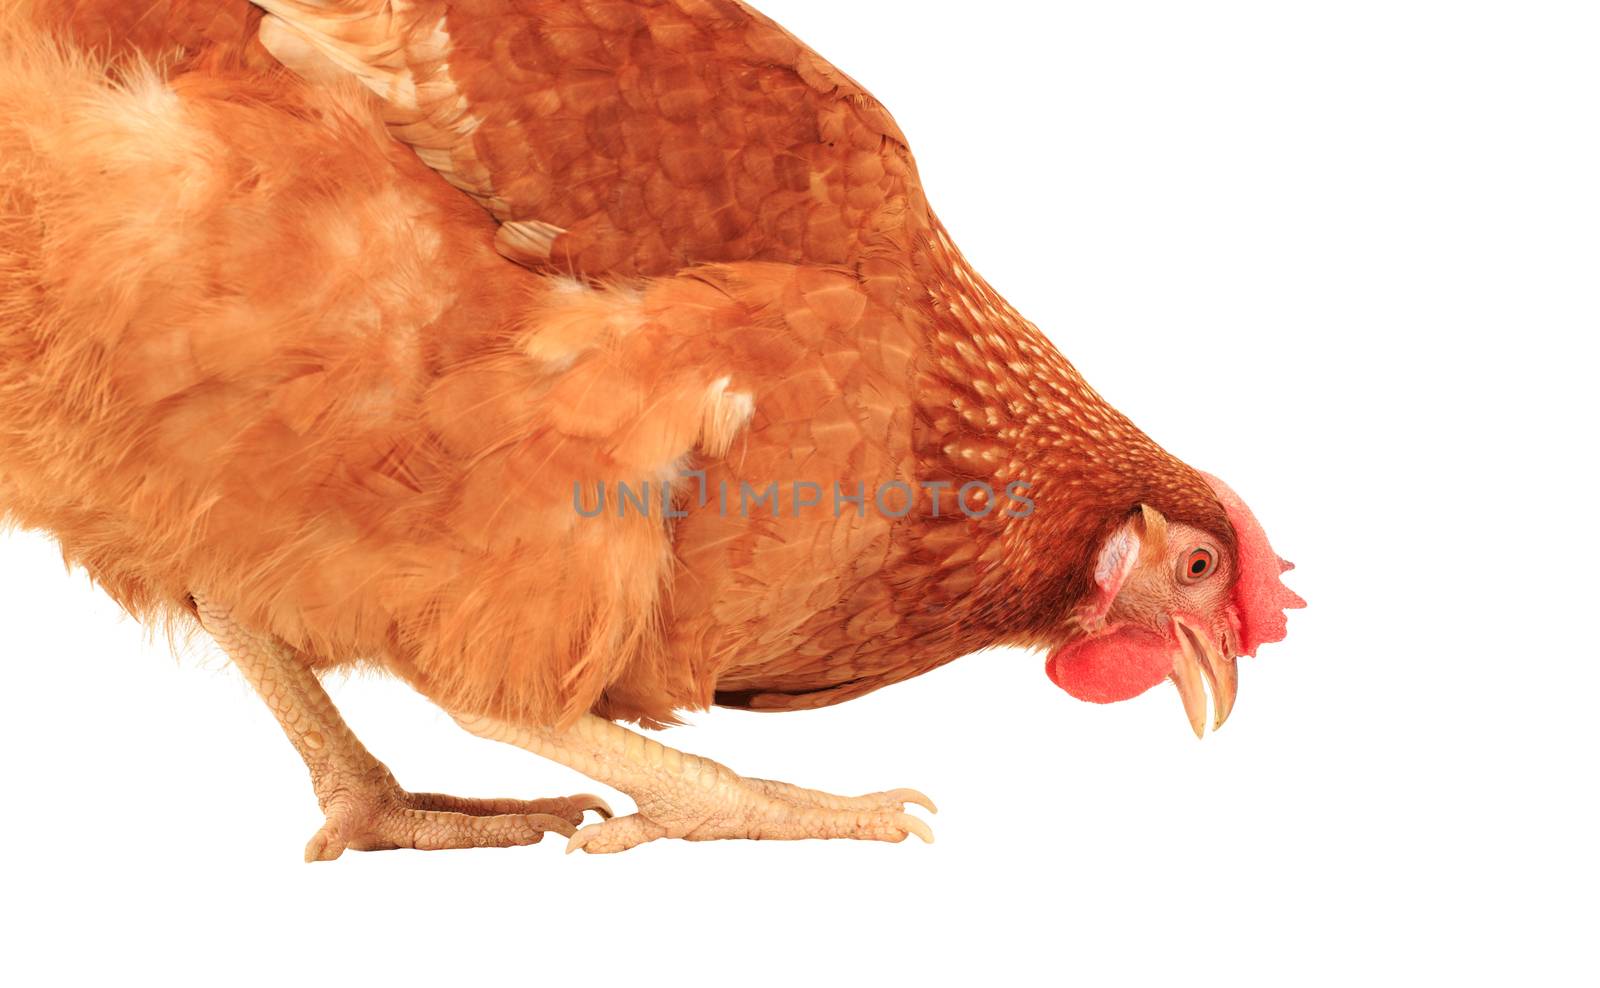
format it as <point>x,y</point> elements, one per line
<point>693,798</point>
<point>365,808</point>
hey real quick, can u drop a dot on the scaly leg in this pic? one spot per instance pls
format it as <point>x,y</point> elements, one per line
<point>366,809</point>
<point>694,798</point>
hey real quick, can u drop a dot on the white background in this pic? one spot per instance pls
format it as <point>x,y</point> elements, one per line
<point>1343,255</point>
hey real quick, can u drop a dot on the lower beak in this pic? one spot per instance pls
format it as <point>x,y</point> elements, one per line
<point>1199,659</point>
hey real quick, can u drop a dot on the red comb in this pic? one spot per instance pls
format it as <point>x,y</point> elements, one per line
<point>1259,596</point>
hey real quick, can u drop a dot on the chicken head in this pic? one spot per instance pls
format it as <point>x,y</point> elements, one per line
<point>1170,603</point>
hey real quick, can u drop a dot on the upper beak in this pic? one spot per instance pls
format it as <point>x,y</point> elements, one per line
<point>1199,658</point>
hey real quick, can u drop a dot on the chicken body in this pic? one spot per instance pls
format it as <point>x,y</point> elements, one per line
<point>261,362</point>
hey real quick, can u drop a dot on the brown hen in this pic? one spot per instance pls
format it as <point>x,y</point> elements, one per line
<point>740,425</point>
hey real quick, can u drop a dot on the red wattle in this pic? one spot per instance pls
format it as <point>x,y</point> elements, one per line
<point>1111,667</point>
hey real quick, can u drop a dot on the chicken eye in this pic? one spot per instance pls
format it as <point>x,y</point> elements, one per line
<point>1198,565</point>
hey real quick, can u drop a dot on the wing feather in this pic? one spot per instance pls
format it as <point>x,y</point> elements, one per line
<point>624,136</point>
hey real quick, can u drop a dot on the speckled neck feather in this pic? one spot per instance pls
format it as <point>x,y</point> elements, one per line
<point>999,403</point>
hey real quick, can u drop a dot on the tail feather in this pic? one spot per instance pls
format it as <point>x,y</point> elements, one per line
<point>247,341</point>
<point>46,89</point>
<point>159,30</point>
<point>98,162</point>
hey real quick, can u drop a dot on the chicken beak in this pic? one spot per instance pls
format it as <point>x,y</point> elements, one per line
<point>1199,662</point>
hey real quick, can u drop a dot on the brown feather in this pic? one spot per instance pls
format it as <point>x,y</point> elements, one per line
<point>250,344</point>
<point>624,137</point>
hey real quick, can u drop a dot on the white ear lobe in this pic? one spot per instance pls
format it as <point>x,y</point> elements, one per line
<point>1117,558</point>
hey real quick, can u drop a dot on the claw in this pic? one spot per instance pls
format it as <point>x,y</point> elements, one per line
<point>322,847</point>
<point>912,825</point>
<point>586,802</point>
<point>912,796</point>
<point>555,824</point>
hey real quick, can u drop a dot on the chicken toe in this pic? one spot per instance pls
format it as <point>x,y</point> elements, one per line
<point>895,799</point>
<point>383,816</point>
<point>365,808</point>
<point>692,798</point>
<point>756,820</point>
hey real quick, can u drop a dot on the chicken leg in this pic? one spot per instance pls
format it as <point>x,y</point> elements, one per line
<point>693,798</point>
<point>365,808</point>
